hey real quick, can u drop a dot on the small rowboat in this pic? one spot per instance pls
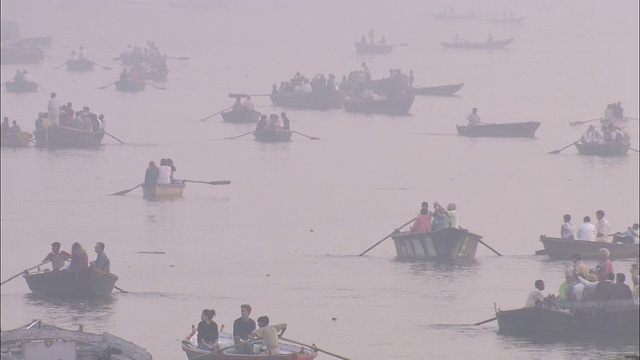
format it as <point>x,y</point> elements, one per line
<point>509,20</point>
<point>21,55</point>
<point>21,139</point>
<point>72,283</point>
<point>243,115</point>
<point>66,137</point>
<point>496,44</point>
<point>563,249</point>
<point>21,86</point>
<point>368,49</point>
<point>270,135</point>
<point>392,105</point>
<point>163,191</point>
<point>523,129</point>
<point>447,16</point>
<point>536,321</point>
<point>80,65</point>
<point>442,245</point>
<point>604,149</point>
<point>315,100</point>
<point>442,90</point>
<point>287,351</point>
<point>130,85</point>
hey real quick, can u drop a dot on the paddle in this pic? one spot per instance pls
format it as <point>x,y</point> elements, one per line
<point>482,242</point>
<point>58,67</point>
<point>178,58</point>
<point>41,88</point>
<point>121,142</point>
<point>221,111</point>
<point>314,347</point>
<point>558,151</point>
<point>576,123</point>
<point>106,86</point>
<point>235,137</point>
<point>310,137</point>
<point>157,87</point>
<point>630,118</point>
<point>124,291</point>
<point>260,95</point>
<point>632,149</point>
<point>102,66</point>
<point>22,272</point>
<point>126,191</point>
<point>218,182</point>
<point>388,236</point>
<point>485,321</point>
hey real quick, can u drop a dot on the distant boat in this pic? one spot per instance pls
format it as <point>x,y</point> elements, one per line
<point>452,16</point>
<point>72,283</point>
<point>399,105</point>
<point>442,90</point>
<point>242,115</point>
<point>21,86</point>
<point>369,49</point>
<point>605,149</point>
<point>506,20</point>
<point>522,129</point>
<point>495,44</point>
<point>536,321</point>
<point>563,249</point>
<point>54,137</point>
<point>442,245</point>
<point>270,135</point>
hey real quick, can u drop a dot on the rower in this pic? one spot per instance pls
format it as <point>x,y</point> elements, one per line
<point>164,172</point>
<point>274,123</point>
<point>18,76</point>
<point>627,237</point>
<point>262,123</point>
<point>474,118</point>
<point>237,105</point>
<point>15,129</point>
<point>57,257</point>
<point>151,174</point>
<point>285,121</point>
<point>450,212</point>
<point>536,297</point>
<point>269,334</point>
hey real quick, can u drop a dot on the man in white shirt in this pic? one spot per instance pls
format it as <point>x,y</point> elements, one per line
<point>248,104</point>
<point>27,76</point>
<point>164,172</point>
<point>567,230</point>
<point>603,229</point>
<point>54,109</point>
<point>306,87</point>
<point>535,296</point>
<point>82,53</point>
<point>586,231</point>
<point>474,118</point>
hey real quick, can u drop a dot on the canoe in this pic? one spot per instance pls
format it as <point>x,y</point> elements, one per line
<point>496,44</point>
<point>510,20</point>
<point>535,321</point>
<point>21,86</point>
<point>392,105</point>
<point>368,49</point>
<point>287,351</point>
<point>563,249</point>
<point>21,55</point>
<point>130,85</point>
<point>268,135</point>
<point>523,129</point>
<point>163,191</point>
<point>66,137</point>
<point>38,340</point>
<point>442,90</point>
<point>315,100</point>
<point>243,115</point>
<point>613,317</point>
<point>605,149</point>
<point>80,65</point>
<point>447,16</point>
<point>442,245</point>
<point>85,283</point>
<point>21,139</point>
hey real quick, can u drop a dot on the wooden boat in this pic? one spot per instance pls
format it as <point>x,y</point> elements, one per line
<point>449,16</point>
<point>21,139</point>
<point>66,137</point>
<point>72,283</point>
<point>21,55</point>
<point>389,105</point>
<point>80,65</point>
<point>387,86</point>
<point>613,317</point>
<point>270,135</point>
<point>604,149</point>
<point>506,20</point>
<point>496,44</point>
<point>442,90</point>
<point>442,245</point>
<point>163,191</point>
<point>287,351</point>
<point>130,85</point>
<point>132,58</point>
<point>41,341</point>
<point>369,49</point>
<point>38,41</point>
<point>243,115</point>
<point>536,321</point>
<point>21,86</point>
<point>563,249</point>
<point>315,100</point>
<point>523,129</point>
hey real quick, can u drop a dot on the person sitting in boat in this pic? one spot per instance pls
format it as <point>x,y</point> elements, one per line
<point>578,266</point>
<point>208,331</point>
<point>237,106</point>
<point>39,123</point>
<point>73,56</point>
<point>6,129</point>
<point>164,172</point>
<point>102,260</point>
<point>134,74</point>
<point>363,40</point>
<point>15,129</point>
<point>87,123</point>
<point>586,230</point>
<point>57,257</point>
<point>242,329</point>
<point>96,124</point>
<point>422,224</point>
<point>262,123</point>
<point>306,87</point>
<point>627,237</point>
<point>450,212</point>
<point>79,258</point>
<point>103,122</point>
<point>567,230</point>
<point>18,76</point>
<point>571,289</point>
<point>26,76</point>
<point>274,122</point>
<point>439,220</point>
<point>605,266</point>
<point>274,90</point>
<point>269,335</point>
<point>590,136</point>
<point>602,290</point>
<point>151,174</point>
<point>172,167</point>
<point>285,121</point>
<point>603,228</point>
<point>621,291</point>
<point>474,118</point>
<point>124,75</point>
<point>536,297</point>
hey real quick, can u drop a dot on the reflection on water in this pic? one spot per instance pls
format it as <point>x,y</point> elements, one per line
<point>66,312</point>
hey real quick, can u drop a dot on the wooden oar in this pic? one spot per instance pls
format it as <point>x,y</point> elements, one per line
<point>58,67</point>
<point>106,86</point>
<point>485,321</point>
<point>314,347</point>
<point>632,149</point>
<point>124,291</point>
<point>630,118</point>
<point>127,191</point>
<point>541,252</point>
<point>489,247</point>
<point>212,115</point>
<point>157,87</point>
<point>24,271</point>
<point>41,88</point>
<point>576,123</point>
<point>388,236</point>
<point>121,142</point>
<point>178,58</point>
<point>217,182</point>
<point>235,137</point>
<point>260,95</point>
<point>310,137</point>
<point>102,66</point>
<point>558,151</point>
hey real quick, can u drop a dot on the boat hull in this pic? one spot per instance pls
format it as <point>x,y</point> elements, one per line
<point>80,65</point>
<point>606,149</point>
<point>442,245</point>
<point>21,86</point>
<point>443,16</point>
<point>278,135</point>
<point>391,106</point>
<point>130,85</point>
<point>524,129</point>
<point>241,116</point>
<point>317,100</point>
<point>563,249</point>
<point>66,137</point>
<point>87,282</point>
<point>368,49</point>
<point>499,44</point>
<point>614,317</point>
<point>21,56</point>
<point>16,140</point>
<point>443,90</point>
<point>535,321</point>
<point>163,191</point>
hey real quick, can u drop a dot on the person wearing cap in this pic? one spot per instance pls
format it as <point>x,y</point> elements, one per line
<point>269,334</point>
<point>242,329</point>
<point>285,121</point>
<point>54,109</point>
<point>450,212</point>
<point>102,260</point>
<point>57,257</point>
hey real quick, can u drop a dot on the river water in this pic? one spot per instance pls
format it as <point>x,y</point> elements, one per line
<point>284,236</point>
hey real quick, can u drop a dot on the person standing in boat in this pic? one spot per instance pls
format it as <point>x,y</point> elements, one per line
<point>151,174</point>
<point>269,334</point>
<point>164,172</point>
<point>567,230</point>
<point>603,228</point>
<point>124,75</point>
<point>102,260</point>
<point>474,118</point>
<point>208,331</point>
<point>79,258</point>
<point>422,224</point>
<point>242,329</point>
<point>6,129</point>
<point>54,109</point>
<point>450,213</point>
<point>372,38</point>
<point>285,121</point>
<point>57,257</point>
<point>586,231</point>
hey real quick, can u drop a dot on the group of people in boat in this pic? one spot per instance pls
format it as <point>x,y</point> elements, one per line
<point>22,76</point>
<point>81,54</point>
<point>372,39</point>
<point>273,123</point>
<point>244,333</point>
<point>358,86</point>
<point>609,131</point>
<point>301,84</point>
<point>440,218</point>
<point>10,129</point>
<point>78,259</point>
<point>239,105</point>
<point>600,283</point>
<point>133,74</point>
<point>66,116</point>
<point>601,232</point>
<point>162,174</point>
<point>151,51</point>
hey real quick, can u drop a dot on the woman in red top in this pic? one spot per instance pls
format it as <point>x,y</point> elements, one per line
<point>79,258</point>
<point>423,222</point>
